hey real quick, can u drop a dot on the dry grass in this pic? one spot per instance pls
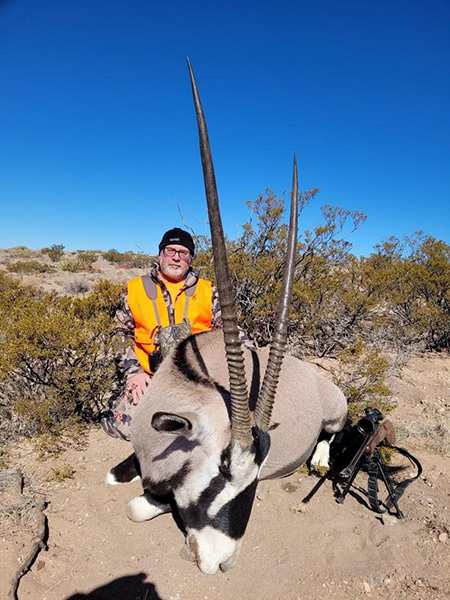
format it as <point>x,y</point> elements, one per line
<point>17,512</point>
<point>432,432</point>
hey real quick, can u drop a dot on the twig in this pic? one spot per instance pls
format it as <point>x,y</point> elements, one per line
<point>39,543</point>
<point>52,588</point>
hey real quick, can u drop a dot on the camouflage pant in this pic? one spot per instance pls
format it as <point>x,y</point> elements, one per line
<point>116,422</point>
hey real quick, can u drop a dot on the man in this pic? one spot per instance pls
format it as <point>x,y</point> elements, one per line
<point>160,308</point>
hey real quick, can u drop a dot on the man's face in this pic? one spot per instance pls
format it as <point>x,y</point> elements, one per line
<point>174,268</point>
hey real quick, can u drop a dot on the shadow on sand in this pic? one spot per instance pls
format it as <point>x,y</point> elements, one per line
<point>131,587</point>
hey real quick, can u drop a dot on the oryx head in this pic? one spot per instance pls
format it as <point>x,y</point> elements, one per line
<point>216,522</point>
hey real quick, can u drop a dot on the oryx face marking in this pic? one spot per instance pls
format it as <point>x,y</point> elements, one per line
<point>215,521</point>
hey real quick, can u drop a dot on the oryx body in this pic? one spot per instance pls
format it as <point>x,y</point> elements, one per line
<point>193,381</point>
<point>182,439</point>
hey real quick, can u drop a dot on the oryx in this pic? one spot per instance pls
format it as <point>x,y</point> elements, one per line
<point>217,416</point>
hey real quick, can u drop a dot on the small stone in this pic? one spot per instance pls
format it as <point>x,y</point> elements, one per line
<point>367,588</point>
<point>387,582</point>
<point>390,520</point>
<point>299,508</point>
<point>443,537</point>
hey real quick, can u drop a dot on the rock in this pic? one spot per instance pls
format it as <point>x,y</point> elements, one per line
<point>443,537</point>
<point>367,587</point>
<point>390,520</point>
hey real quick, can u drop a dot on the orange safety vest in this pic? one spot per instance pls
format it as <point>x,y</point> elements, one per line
<point>142,308</point>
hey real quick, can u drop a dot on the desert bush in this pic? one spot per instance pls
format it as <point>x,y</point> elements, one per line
<point>367,312</point>
<point>414,294</point>
<point>137,260</point>
<point>56,357</point>
<point>54,252</point>
<point>29,266</point>
<point>361,374</point>
<point>83,261</point>
<point>87,257</point>
<point>77,286</point>
<point>72,266</point>
<point>23,252</point>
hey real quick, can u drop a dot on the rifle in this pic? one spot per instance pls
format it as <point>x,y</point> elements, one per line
<point>357,448</point>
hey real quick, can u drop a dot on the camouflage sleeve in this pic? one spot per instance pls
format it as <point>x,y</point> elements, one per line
<point>216,320</point>
<point>127,362</point>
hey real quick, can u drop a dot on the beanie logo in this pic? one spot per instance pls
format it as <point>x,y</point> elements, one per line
<point>175,239</point>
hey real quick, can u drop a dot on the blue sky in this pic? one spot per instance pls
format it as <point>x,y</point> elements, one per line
<point>98,140</point>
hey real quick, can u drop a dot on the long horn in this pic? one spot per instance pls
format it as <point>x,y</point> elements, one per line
<point>240,413</point>
<point>266,398</point>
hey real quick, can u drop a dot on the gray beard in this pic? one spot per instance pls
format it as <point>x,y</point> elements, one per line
<point>181,273</point>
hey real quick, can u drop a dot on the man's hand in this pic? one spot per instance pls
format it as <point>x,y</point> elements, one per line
<point>136,386</point>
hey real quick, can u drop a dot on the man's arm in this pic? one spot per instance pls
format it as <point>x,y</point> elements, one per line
<point>130,371</point>
<point>216,319</point>
<point>127,362</point>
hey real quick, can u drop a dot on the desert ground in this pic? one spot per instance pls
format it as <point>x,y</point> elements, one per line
<point>291,550</point>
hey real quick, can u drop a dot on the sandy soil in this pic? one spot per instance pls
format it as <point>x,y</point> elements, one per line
<point>290,551</point>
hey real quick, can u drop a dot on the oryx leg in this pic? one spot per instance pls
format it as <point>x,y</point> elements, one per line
<point>126,471</point>
<point>146,507</point>
<point>321,454</point>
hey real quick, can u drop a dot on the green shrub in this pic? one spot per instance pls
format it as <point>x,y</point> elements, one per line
<point>72,266</point>
<point>55,252</point>
<point>137,260</point>
<point>87,257</point>
<point>113,256</point>
<point>23,252</point>
<point>29,266</point>
<point>56,356</point>
<point>82,262</point>
<point>361,375</point>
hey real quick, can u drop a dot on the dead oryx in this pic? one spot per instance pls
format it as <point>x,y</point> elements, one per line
<point>204,433</point>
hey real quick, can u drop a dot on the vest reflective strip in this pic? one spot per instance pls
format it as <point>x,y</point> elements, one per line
<point>199,313</point>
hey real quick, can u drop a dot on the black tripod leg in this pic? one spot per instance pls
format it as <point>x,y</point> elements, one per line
<point>389,488</point>
<point>348,484</point>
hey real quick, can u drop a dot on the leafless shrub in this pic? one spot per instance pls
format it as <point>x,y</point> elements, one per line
<point>77,286</point>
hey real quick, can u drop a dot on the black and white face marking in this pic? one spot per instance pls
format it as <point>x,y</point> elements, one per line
<point>216,520</point>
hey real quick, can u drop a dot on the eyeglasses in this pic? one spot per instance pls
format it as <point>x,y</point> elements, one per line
<point>183,254</point>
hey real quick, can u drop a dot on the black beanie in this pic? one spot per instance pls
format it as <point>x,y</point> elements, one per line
<point>177,236</point>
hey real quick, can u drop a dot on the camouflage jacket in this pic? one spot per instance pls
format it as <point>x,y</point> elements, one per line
<point>127,362</point>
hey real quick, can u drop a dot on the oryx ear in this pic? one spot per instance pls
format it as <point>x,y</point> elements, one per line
<point>185,424</point>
